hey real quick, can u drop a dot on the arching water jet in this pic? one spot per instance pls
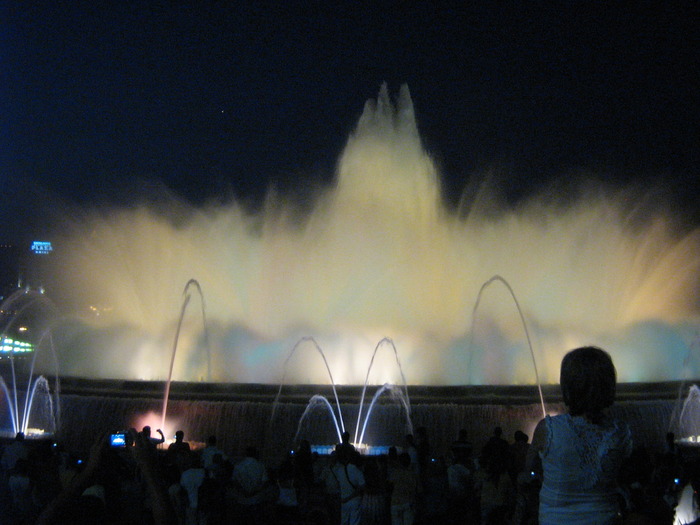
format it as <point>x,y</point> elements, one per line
<point>330,376</point>
<point>498,278</point>
<point>405,398</point>
<point>395,393</point>
<point>318,400</point>
<point>192,283</point>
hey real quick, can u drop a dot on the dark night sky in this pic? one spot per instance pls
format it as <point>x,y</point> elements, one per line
<point>213,98</point>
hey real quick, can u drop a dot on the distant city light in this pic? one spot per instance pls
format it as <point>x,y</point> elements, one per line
<point>99,310</point>
<point>41,247</point>
<point>14,346</point>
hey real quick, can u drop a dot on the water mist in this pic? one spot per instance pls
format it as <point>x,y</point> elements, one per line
<point>380,255</point>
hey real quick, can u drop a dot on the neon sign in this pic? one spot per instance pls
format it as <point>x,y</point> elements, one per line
<point>41,247</point>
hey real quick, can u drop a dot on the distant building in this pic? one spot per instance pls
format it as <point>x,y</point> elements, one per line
<point>10,269</point>
<point>36,272</point>
<point>24,266</point>
<point>21,268</point>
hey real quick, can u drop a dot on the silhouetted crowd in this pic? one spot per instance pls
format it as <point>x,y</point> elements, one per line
<point>145,482</point>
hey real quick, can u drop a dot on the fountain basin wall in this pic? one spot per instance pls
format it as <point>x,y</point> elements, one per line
<point>239,415</point>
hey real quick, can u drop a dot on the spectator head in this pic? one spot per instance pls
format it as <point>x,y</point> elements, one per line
<point>520,436</point>
<point>588,380</point>
<point>305,447</point>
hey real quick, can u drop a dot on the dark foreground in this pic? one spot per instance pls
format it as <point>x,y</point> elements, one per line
<point>241,416</point>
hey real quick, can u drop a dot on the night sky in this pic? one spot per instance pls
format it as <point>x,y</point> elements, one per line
<point>221,100</point>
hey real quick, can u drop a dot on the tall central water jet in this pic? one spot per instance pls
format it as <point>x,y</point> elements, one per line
<point>380,255</point>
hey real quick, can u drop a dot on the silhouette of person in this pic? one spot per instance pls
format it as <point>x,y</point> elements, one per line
<point>580,453</point>
<point>179,445</point>
<point>146,432</point>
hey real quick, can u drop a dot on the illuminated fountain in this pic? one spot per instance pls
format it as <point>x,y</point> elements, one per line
<point>192,283</point>
<point>398,394</point>
<point>685,419</point>
<point>317,399</point>
<point>499,279</point>
<point>689,418</point>
<point>379,255</point>
<point>31,407</point>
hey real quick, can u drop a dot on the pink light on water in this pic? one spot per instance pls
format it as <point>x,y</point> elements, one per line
<point>153,420</point>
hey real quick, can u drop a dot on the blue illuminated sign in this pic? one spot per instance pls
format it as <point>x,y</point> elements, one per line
<point>41,247</point>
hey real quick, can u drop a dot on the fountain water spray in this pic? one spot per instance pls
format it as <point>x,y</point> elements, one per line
<point>313,402</point>
<point>498,278</point>
<point>689,417</point>
<point>380,252</point>
<point>21,419</point>
<point>674,423</point>
<point>397,393</point>
<point>400,393</point>
<point>330,376</point>
<point>385,341</point>
<point>192,283</point>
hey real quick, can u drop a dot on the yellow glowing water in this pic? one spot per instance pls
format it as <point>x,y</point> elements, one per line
<point>381,256</point>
